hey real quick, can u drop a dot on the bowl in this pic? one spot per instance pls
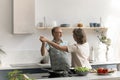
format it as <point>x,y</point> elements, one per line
<point>72,71</point>
<point>65,25</point>
<point>82,73</point>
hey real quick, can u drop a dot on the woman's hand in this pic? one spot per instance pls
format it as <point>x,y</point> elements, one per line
<point>43,39</point>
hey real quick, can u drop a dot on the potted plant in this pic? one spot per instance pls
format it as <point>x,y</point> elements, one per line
<point>17,75</point>
<point>106,41</point>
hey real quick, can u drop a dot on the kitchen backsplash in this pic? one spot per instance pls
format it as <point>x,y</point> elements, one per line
<point>20,57</point>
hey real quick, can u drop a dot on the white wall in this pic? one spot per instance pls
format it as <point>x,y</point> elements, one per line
<point>25,48</point>
<point>19,48</point>
<point>72,11</point>
<point>85,11</point>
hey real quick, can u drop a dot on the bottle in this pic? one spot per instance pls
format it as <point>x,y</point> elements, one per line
<point>92,55</point>
<point>54,23</point>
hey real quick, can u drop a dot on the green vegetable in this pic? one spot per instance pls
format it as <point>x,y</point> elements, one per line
<point>81,69</point>
<point>16,75</point>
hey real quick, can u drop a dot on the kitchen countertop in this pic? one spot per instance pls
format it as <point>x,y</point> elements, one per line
<point>90,76</point>
<point>38,65</point>
<point>105,63</point>
<point>24,66</point>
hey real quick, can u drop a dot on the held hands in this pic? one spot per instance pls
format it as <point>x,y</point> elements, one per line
<point>43,39</point>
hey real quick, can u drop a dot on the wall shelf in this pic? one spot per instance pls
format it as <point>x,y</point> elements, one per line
<point>67,28</point>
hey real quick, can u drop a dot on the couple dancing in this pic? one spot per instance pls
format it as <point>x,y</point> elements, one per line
<point>79,51</point>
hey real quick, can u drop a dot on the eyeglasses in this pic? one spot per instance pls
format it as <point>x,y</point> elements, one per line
<point>57,32</point>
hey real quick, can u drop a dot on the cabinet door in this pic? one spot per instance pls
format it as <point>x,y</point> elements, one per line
<point>23,16</point>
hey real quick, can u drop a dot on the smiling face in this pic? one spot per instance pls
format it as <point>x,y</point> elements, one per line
<point>57,33</point>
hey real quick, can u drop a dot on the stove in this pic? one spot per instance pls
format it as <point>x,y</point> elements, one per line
<point>50,75</point>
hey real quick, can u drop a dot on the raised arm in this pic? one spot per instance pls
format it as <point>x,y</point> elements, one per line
<point>63,48</point>
<point>43,49</point>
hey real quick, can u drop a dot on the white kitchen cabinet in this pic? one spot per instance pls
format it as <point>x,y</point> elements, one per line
<point>23,16</point>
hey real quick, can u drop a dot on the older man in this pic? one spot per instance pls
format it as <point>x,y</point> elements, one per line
<point>59,59</point>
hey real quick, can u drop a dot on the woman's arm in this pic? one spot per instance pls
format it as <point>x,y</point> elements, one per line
<point>63,48</point>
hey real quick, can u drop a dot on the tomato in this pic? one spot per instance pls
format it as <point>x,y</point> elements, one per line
<point>105,70</point>
<point>100,70</point>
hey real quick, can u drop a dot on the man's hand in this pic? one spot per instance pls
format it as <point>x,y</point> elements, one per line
<point>43,39</point>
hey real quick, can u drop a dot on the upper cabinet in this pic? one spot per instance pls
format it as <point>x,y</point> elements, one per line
<point>23,16</point>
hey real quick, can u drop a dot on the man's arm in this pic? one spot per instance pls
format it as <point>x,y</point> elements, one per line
<point>63,48</point>
<point>43,49</point>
